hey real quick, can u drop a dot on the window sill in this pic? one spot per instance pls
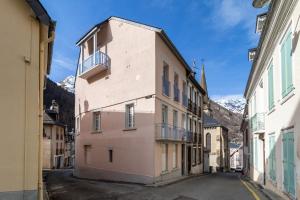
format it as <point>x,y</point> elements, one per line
<point>96,132</point>
<point>288,96</point>
<point>165,95</point>
<point>129,129</point>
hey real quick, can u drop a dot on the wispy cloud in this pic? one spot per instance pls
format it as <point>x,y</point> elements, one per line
<point>62,62</point>
<point>228,14</point>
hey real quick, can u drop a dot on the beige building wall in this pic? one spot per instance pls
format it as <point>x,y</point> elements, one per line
<point>21,100</point>
<point>219,153</point>
<point>54,146</point>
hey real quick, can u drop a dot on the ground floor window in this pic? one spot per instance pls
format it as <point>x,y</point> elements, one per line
<point>164,158</point>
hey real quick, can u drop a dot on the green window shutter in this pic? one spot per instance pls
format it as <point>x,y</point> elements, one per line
<point>291,165</point>
<point>283,71</point>
<point>286,65</point>
<point>271,87</point>
<point>285,157</point>
<point>272,162</point>
<point>288,62</point>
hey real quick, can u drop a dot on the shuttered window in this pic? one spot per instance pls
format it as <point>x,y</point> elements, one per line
<point>129,116</point>
<point>286,65</point>
<point>272,158</point>
<point>271,87</point>
<point>97,121</point>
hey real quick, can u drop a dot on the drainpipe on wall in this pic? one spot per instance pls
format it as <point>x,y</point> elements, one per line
<point>41,102</point>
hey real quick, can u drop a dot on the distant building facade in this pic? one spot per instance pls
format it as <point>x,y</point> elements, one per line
<point>273,97</point>
<point>138,107</point>
<point>53,139</point>
<point>26,40</point>
<point>236,156</point>
<point>216,150</point>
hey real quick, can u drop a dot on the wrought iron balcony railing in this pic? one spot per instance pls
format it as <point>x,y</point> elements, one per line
<point>257,122</point>
<point>190,105</point>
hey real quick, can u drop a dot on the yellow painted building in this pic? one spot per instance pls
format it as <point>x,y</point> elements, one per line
<point>26,40</point>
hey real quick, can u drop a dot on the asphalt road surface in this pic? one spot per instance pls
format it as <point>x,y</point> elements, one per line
<point>61,185</point>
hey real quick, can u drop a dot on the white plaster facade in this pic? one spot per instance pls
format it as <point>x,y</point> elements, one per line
<point>270,125</point>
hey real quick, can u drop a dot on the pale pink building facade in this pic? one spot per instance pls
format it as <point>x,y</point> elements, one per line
<point>138,107</point>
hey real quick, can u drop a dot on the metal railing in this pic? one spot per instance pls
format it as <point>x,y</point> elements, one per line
<point>176,93</point>
<point>89,63</point>
<point>199,112</point>
<point>195,108</point>
<point>166,86</point>
<point>257,122</point>
<point>169,132</point>
<point>190,105</point>
<point>172,133</point>
<point>188,137</point>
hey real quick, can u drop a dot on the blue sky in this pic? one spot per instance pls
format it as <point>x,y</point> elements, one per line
<point>218,31</point>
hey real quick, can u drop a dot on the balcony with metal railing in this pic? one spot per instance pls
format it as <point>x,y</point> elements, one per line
<point>94,64</point>
<point>195,108</point>
<point>188,136</point>
<point>176,93</point>
<point>166,86</point>
<point>190,105</point>
<point>166,132</point>
<point>199,112</point>
<point>257,123</point>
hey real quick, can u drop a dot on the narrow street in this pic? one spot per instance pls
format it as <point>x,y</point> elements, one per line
<point>62,186</point>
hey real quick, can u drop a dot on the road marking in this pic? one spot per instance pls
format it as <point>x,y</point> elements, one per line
<point>256,197</point>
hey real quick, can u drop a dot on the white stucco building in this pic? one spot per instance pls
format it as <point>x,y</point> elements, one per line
<point>273,97</point>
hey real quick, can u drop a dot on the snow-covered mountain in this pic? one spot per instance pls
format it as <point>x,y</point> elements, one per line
<point>67,83</point>
<point>234,103</point>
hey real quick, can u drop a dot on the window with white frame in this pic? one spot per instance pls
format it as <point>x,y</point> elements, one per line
<point>129,116</point>
<point>97,121</point>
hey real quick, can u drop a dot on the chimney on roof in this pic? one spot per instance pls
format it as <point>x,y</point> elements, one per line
<point>54,107</point>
